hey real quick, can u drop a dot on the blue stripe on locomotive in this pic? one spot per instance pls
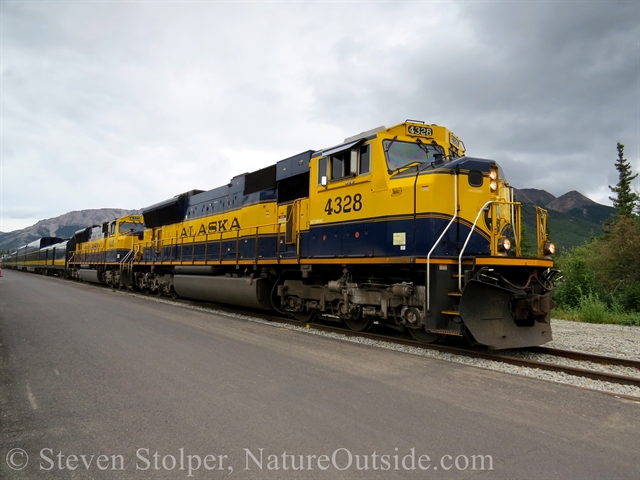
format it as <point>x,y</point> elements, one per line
<point>366,239</point>
<point>245,247</point>
<point>375,239</point>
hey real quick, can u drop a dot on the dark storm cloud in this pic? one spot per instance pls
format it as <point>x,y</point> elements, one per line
<point>547,88</point>
<point>551,90</point>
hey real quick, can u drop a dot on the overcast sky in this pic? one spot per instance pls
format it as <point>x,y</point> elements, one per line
<point>127,103</point>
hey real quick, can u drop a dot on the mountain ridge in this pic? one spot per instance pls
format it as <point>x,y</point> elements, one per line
<point>573,219</point>
<point>62,226</point>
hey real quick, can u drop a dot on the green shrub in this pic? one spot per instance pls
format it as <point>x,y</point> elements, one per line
<point>629,319</point>
<point>593,310</point>
<point>579,280</point>
<point>605,273</point>
<point>629,298</point>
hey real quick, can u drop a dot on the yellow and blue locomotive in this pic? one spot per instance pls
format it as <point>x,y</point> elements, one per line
<point>395,226</point>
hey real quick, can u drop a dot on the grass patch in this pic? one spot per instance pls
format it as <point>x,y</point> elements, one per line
<point>630,319</point>
<point>593,310</point>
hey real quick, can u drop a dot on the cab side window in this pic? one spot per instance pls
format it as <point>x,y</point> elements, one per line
<point>341,165</point>
<point>364,160</point>
<point>322,169</point>
<point>345,164</point>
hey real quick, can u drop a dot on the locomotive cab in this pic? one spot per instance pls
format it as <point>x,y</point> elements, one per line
<point>121,234</point>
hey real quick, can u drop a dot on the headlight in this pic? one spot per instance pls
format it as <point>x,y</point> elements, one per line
<point>493,176</point>
<point>549,248</point>
<point>504,244</point>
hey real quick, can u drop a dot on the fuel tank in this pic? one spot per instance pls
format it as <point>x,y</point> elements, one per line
<point>89,275</point>
<point>245,291</point>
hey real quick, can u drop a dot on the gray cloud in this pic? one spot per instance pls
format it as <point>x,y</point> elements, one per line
<point>125,104</point>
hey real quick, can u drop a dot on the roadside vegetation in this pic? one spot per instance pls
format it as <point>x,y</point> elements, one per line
<point>602,277</point>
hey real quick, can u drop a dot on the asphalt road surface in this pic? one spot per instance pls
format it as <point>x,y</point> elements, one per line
<point>100,384</point>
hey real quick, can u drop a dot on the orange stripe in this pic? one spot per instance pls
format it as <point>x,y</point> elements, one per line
<point>515,262</point>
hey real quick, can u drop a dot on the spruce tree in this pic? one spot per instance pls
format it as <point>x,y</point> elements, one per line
<point>624,200</point>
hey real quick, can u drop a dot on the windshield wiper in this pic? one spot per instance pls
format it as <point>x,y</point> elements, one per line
<point>386,150</point>
<point>438,157</point>
<point>415,163</point>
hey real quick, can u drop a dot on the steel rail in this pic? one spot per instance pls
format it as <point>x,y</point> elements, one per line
<point>586,357</point>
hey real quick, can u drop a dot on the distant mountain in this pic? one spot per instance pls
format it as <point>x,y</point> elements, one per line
<point>534,196</point>
<point>573,219</point>
<point>569,201</point>
<point>63,226</point>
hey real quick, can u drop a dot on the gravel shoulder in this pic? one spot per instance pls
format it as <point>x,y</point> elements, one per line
<point>610,340</point>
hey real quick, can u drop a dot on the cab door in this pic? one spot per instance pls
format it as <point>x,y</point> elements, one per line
<point>340,202</point>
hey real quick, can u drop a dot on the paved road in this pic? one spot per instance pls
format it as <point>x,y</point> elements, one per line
<point>135,386</point>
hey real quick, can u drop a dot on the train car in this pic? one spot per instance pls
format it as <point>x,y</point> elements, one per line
<point>53,258</point>
<point>10,260</point>
<point>47,255</point>
<point>28,257</point>
<point>395,226</point>
<point>7,260</point>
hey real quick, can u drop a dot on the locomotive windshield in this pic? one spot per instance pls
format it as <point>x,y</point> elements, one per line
<point>400,154</point>
<point>130,228</point>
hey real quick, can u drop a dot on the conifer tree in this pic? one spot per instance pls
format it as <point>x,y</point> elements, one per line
<point>624,200</point>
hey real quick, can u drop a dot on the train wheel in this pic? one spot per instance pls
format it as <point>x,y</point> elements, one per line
<point>305,317</point>
<point>359,324</point>
<point>423,337</point>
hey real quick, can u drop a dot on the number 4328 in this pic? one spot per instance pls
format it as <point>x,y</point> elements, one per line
<point>344,204</point>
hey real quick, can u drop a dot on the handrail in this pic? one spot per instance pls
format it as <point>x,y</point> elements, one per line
<point>427,301</point>
<point>467,241</point>
<point>516,225</point>
<point>541,229</point>
<point>157,246</point>
<point>126,257</point>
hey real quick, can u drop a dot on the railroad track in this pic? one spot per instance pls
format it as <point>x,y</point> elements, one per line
<point>588,357</point>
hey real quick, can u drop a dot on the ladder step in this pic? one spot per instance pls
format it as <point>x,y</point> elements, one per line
<point>450,312</point>
<point>454,294</point>
<point>446,332</point>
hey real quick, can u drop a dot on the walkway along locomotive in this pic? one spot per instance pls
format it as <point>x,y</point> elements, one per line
<point>395,226</point>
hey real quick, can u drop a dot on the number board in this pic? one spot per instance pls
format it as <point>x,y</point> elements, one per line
<point>419,130</point>
<point>454,140</point>
<point>346,204</point>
